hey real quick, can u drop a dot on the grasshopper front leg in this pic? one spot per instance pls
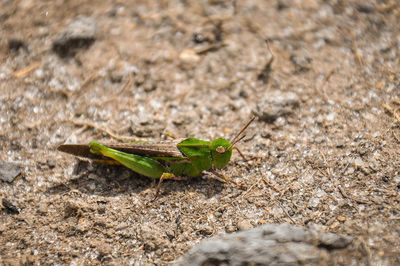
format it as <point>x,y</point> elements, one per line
<point>223,178</point>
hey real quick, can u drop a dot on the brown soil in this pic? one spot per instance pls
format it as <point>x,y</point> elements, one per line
<point>200,69</point>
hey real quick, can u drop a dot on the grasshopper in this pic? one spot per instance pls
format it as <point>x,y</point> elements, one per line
<point>179,159</point>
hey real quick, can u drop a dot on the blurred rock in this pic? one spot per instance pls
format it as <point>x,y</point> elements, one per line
<point>152,238</point>
<point>275,104</point>
<point>244,225</point>
<point>210,32</point>
<point>230,228</point>
<point>270,244</point>
<point>73,209</point>
<point>266,71</point>
<point>205,230</point>
<point>266,133</point>
<point>333,241</point>
<point>9,171</point>
<point>51,163</point>
<point>182,120</point>
<point>365,8</point>
<point>301,61</point>
<point>79,34</point>
<point>9,207</point>
<point>328,35</point>
<point>283,4</point>
<point>42,208</point>
<point>15,44</point>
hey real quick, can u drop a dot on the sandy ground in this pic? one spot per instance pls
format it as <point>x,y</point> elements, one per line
<point>322,78</point>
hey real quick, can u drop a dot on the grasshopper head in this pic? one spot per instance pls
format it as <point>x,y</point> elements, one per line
<point>221,152</point>
<point>221,149</point>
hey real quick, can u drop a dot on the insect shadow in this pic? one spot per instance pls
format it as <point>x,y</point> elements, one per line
<point>113,180</point>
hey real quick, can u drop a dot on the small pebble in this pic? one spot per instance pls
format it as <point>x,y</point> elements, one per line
<point>3,228</point>
<point>205,230</point>
<point>103,248</point>
<point>51,163</point>
<point>15,44</point>
<point>9,171</point>
<point>230,228</point>
<point>72,209</point>
<point>152,238</point>
<point>79,34</point>
<point>244,225</point>
<point>276,104</point>
<point>301,62</point>
<point>9,207</point>
<point>42,208</point>
<point>83,225</point>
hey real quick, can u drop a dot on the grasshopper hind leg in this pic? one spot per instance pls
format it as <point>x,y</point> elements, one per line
<point>166,176</point>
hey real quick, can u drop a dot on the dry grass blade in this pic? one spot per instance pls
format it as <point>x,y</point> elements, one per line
<point>105,130</point>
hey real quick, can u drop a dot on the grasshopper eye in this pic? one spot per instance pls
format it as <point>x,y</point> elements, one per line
<point>220,149</point>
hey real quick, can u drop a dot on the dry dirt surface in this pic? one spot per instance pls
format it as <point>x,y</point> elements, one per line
<point>321,76</point>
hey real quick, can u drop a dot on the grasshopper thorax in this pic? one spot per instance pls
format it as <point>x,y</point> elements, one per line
<point>221,152</point>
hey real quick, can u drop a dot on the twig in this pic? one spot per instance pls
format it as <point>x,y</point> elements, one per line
<point>326,79</point>
<point>337,187</point>
<point>286,212</point>
<point>395,101</point>
<point>250,188</point>
<point>209,48</point>
<point>103,129</point>
<point>23,72</point>
<point>391,111</point>
<point>113,97</point>
<point>357,53</point>
<point>271,185</point>
<point>88,80</point>
<point>395,136</point>
<point>288,187</point>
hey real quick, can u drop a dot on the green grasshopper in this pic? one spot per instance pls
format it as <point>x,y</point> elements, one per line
<point>180,159</point>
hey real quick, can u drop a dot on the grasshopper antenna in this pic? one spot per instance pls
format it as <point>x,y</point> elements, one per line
<point>237,138</point>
